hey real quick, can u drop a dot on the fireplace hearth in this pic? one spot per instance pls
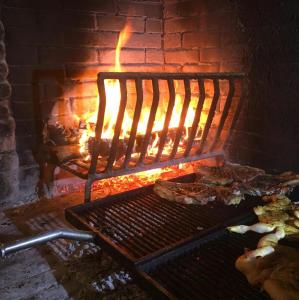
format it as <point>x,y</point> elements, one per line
<point>106,97</point>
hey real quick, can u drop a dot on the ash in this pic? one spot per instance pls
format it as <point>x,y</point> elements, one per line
<point>111,282</point>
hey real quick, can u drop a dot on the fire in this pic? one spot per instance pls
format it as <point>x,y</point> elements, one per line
<point>112,87</point>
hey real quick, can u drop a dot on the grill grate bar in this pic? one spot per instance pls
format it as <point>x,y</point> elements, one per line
<point>210,116</point>
<point>130,229</point>
<point>119,236</point>
<point>154,227</point>
<point>182,118</point>
<point>137,113</point>
<point>151,119</point>
<point>224,115</point>
<point>196,117</point>
<point>126,214</point>
<point>167,119</point>
<point>118,125</point>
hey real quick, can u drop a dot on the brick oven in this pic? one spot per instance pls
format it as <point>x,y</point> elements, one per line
<point>60,60</point>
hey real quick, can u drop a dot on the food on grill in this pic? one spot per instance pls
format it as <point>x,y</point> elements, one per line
<point>258,227</point>
<point>271,184</point>
<point>271,239</point>
<point>277,273</point>
<point>188,193</point>
<point>227,174</point>
<point>197,193</point>
<point>228,195</point>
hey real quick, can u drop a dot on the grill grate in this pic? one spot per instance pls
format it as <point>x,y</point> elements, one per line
<point>145,225</point>
<point>207,271</point>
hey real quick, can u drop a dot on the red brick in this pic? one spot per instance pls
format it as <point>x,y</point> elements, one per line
<point>151,10</point>
<point>211,55</point>
<point>18,17</point>
<point>172,68</point>
<point>22,55</point>
<point>201,68</point>
<point>154,56</point>
<point>172,40</point>
<point>231,38</point>
<point>103,6</point>
<point>52,55</point>
<point>117,23</point>
<point>142,68</point>
<point>231,67</point>
<point>83,89</point>
<point>170,10</point>
<point>181,25</point>
<point>88,72</point>
<point>100,39</point>
<point>207,39</point>
<point>233,54</point>
<point>146,40</point>
<point>153,26</point>
<point>126,56</point>
<point>181,56</point>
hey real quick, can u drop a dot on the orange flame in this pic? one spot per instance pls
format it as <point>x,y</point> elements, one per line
<point>124,36</point>
<point>112,88</point>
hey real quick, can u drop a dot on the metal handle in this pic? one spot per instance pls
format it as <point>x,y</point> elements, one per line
<point>46,237</point>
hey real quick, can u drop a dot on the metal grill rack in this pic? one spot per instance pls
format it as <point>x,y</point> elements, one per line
<point>208,146</point>
<point>203,270</point>
<point>140,225</point>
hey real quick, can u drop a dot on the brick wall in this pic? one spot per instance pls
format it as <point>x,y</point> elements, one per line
<point>268,132</point>
<point>56,48</point>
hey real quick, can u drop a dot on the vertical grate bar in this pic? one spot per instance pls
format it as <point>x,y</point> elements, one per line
<point>238,110</point>
<point>210,115</point>
<point>182,119</point>
<point>167,119</point>
<point>99,125</point>
<point>151,119</point>
<point>196,120</point>
<point>118,125</point>
<point>224,115</point>
<point>137,113</point>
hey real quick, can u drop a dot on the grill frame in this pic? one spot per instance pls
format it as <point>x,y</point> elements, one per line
<point>89,171</point>
<point>75,215</point>
<point>145,272</point>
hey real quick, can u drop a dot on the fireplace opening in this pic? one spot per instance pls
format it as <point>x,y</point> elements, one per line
<point>103,97</point>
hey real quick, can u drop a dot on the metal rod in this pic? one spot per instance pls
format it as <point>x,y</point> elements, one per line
<point>224,114</point>
<point>182,119</point>
<point>167,119</point>
<point>210,116</point>
<point>197,116</point>
<point>118,125</point>
<point>151,119</point>
<point>99,126</point>
<point>136,117</point>
<point>244,92</point>
<point>175,76</point>
<point>43,238</point>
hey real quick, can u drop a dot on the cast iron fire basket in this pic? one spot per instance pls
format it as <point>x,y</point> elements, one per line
<point>211,144</point>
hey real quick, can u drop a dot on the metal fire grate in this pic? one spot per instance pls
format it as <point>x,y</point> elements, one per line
<point>203,270</point>
<point>226,106</point>
<point>139,225</point>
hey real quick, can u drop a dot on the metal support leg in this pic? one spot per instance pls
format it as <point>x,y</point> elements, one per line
<point>87,189</point>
